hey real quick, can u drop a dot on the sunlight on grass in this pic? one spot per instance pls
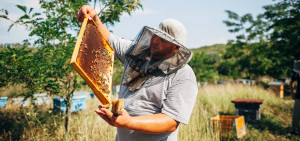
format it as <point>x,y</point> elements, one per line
<point>216,100</point>
<point>29,123</point>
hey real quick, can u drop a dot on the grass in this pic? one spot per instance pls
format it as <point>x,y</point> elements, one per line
<point>29,123</point>
<point>216,100</point>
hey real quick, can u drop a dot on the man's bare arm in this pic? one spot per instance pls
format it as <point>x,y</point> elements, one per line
<point>292,89</point>
<point>156,123</point>
<point>84,11</point>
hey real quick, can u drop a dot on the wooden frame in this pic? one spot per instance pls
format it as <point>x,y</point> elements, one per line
<point>94,51</point>
<point>226,124</point>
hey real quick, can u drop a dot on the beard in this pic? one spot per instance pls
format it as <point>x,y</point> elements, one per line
<point>156,55</point>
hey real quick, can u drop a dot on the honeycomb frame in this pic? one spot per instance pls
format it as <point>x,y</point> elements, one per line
<point>93,59</point>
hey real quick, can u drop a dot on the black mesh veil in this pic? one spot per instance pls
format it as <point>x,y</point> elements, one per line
<point>141,63</point>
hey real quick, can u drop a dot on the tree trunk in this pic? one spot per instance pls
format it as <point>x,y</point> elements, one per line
<point>69,99</point>
<point>68,111</point>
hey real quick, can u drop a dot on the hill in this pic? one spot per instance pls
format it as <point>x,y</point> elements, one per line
<point>220,48</point>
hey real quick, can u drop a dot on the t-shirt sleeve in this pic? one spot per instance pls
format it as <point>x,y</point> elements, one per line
<point>120,46</point>
<point>181,97</point>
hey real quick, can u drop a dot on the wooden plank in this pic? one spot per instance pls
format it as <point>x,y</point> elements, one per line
<point>240,127</point>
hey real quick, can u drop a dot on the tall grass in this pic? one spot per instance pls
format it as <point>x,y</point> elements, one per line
<point>39,123</point>
<point>216,100</point>
<point>29,123</point>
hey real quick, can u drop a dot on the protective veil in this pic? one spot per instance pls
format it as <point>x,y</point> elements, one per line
<point>297,66</point>
<point>141,64</point>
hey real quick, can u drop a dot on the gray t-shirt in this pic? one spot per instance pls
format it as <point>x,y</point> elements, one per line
<point>173,95</point>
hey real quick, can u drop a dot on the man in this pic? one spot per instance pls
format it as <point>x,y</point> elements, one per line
<point>158,86</point>
<point>296,97</point>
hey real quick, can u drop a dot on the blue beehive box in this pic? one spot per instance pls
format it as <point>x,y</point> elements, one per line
<point>78,104</point>
<point>82,93</point>
<point>3,102</point>
<point>92,95</point>
<point>117,89</point>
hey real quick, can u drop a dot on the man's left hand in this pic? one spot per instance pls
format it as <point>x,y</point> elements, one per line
<point>121,121</point>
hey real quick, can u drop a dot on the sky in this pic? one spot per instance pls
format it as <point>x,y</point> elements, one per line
<point>203,19</point>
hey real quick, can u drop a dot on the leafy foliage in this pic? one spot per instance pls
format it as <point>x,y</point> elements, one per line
<point>267,44</point>
<point>48,69</point>
<point>4,14</point>
<point>203,66</point>
<point>13,61</point>
<point>113,9</point>
<point>118,72</point>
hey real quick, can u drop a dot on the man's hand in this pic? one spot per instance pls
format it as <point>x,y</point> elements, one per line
<point>292,89</point>
<point>82,13</point>
<point>121,121</point>
<point>84,10</point>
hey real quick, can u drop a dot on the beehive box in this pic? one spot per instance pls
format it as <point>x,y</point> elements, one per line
<point>92,95</point>
<point>3,102</point>
<point>249,108</point>
<point>21,101</point>
<point>82,93</point>
<point>41,99</point>
<point>116,89</point>
<point>78,104</point>
<point>228,125</point>
<point>93,59</point>
<point>277,87</point>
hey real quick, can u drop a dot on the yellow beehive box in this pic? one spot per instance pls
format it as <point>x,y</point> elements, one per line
<point>227,125</point>
<point>93,59</point>
<point>277,88</point>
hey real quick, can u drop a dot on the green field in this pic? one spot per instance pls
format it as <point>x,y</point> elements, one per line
<point>41,124</point>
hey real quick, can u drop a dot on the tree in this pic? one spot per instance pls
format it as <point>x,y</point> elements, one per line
<point>267,44</point>
<point>245,60</point>
<point>203,66</point>
<point>48,68</point>
<point>13,62</point>
<point>118,72</point>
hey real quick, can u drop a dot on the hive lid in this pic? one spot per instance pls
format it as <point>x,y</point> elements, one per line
<point>246,100</point>
<point>3,98</point>
<point>277,83</point>
<point>93,59</point>
<point>40,95</point>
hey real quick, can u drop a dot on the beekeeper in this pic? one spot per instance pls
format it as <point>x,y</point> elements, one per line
<point>158,86</point>
<point>296,97</point>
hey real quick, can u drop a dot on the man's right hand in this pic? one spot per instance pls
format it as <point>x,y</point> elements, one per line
<point>84,10</point>
<point>292,89</point>
<point>82,13</point>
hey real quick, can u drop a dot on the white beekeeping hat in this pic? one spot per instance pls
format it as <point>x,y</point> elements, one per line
<point>175,28</point>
